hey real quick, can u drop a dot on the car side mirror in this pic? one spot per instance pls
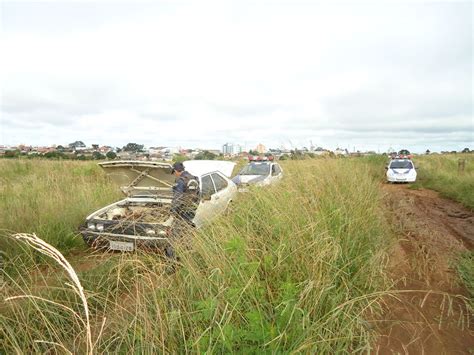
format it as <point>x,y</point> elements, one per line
<point>386,168</point>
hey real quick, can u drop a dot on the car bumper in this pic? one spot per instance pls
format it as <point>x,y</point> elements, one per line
<point>104,239</point>
<point>401,178</point>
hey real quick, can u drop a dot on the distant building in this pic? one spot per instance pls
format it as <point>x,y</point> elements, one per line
<point>123,155</point>
<point>170,150</point>
<point>228,149</point>
<point>213,151</point>
<point>44,150</point>
<point>188,153</point>
<point>155,151</point>
<point>232,149</point>
<point>161,152</point>
<point>261,149</point>
<point>238,149</point>
<point>105,149</point>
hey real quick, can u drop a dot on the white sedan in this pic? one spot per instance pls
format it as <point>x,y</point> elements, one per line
<point>401,170</point>
<point>258,173</point>
<point>217,190</point>
<point>143,218</point>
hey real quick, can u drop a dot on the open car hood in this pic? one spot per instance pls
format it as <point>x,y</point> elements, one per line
<point>144,178</point>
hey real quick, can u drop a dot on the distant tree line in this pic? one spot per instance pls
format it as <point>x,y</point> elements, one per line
<point>57,155</point>
<point>205,155</point>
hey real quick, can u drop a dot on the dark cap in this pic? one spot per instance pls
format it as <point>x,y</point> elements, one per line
<point>177,167</point>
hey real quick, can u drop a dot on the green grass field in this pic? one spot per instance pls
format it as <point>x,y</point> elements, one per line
<point>441,173</point>
<point>296,267</point>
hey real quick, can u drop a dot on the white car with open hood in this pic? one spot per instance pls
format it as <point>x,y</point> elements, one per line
<point>143,218</point>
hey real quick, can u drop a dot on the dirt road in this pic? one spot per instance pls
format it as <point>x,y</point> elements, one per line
<point>429,314</point>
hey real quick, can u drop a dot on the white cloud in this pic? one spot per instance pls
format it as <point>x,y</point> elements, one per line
<point>208,73</point>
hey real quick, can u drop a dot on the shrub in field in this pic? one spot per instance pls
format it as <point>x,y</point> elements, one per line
<point>111,155</point>
<point>297,267</point>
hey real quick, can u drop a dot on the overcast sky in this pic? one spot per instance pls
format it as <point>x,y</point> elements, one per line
<point>369,76</point>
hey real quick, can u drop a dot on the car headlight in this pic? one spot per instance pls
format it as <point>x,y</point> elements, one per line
<point>150,232</point>
<point>91,226</point>
<point>100,227</point>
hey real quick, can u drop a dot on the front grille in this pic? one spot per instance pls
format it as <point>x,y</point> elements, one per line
<point>129,228</point>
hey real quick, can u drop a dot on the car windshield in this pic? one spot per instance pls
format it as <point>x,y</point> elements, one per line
<point>401,164</point>
<point>256,169</point>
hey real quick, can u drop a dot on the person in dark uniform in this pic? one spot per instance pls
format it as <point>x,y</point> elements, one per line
<point>185,194</point>
<point>183,207</point>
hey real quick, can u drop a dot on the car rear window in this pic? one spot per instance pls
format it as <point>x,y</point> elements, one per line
<point>401,164</point>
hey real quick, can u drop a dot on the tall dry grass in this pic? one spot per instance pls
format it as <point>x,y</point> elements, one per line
<point>46,249</point>
<point>50,198</point>
<point>441,173</point>
<point>297,267</point>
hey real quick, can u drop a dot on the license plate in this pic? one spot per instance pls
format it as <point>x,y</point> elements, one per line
<point>122,246</point>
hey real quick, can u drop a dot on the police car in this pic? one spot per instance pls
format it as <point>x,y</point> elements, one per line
<point>401,170</point>
<point>259,172</point>
<point>143,218</point>
<point>404,154</point>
